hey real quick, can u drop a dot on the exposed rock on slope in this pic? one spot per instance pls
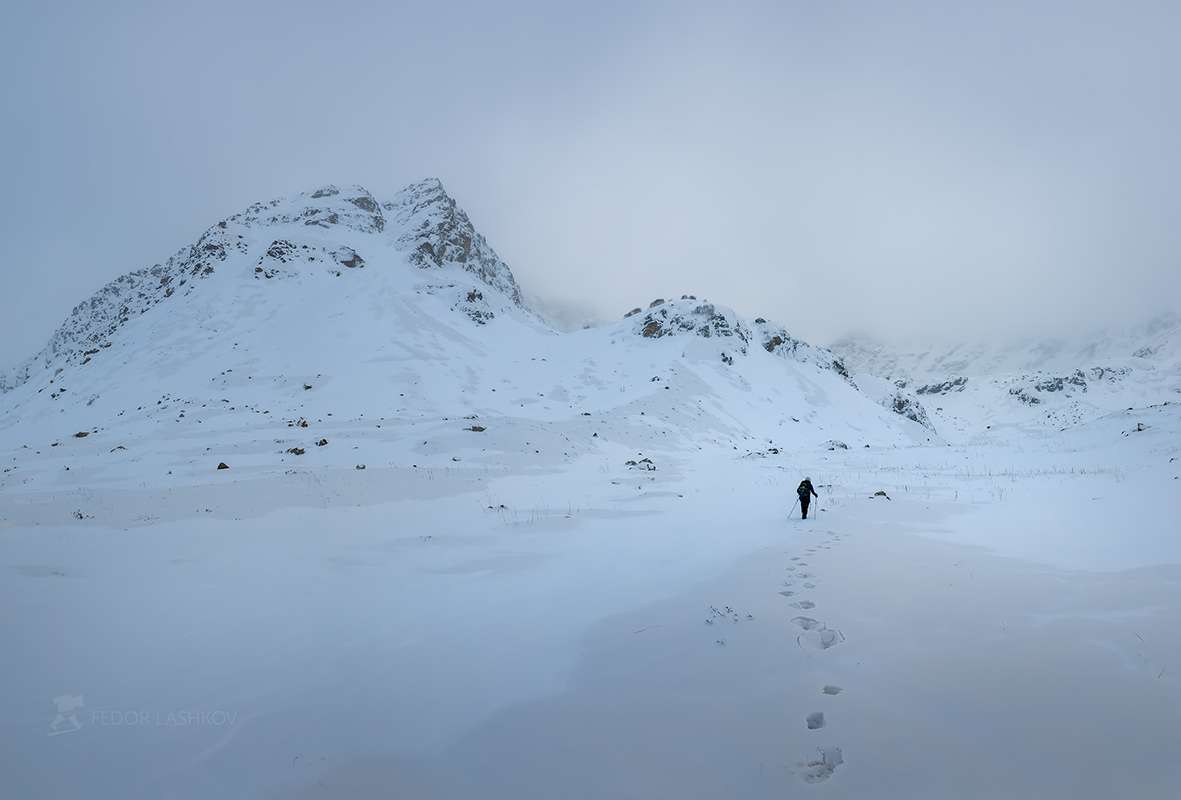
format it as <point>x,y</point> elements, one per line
<point>325,208</point>
<point>778,341</point>
<point>688,316</point>
<point>910,408</point>
<point>436,232</point>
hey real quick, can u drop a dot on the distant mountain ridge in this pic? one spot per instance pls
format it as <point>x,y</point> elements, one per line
<point>1157,340</point>
<point>966,388</point>
<point>293,281</point>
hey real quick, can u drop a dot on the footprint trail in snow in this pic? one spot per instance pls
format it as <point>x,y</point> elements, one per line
<point>820,763</point>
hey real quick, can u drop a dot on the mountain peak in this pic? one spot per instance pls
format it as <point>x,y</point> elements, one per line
<point>431,231</point>
<point>436,233</point>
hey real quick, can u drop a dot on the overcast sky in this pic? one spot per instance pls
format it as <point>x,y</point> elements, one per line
<point>908,169</point>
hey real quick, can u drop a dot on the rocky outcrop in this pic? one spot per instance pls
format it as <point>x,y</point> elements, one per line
<point>688,317</point>
<point>953,385</point>
<point>1030,388</point>
<point>908,407</point>
<point>774,339</point>
<point>437,233</point>
<point>326,208</point>
<point>1025,397</point>
<point>472,303</point>
<point>1076,380</point>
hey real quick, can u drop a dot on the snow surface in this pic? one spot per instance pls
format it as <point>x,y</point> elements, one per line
<point>529,564</point>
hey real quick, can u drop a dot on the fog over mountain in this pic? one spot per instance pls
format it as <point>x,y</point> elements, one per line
<point>926,172</point>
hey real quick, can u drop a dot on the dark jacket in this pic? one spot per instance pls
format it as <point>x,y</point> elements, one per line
<point>805,490</point>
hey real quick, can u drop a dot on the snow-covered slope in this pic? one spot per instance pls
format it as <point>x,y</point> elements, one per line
<point>318,227</point>
<point>964,390</point>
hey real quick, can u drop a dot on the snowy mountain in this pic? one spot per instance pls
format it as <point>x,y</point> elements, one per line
<point>288,324</point>
<point>428,224</point>
<point>964,390</point>
<point>335,304</point>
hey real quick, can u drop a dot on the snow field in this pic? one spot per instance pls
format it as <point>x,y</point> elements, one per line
<point>388,628</point>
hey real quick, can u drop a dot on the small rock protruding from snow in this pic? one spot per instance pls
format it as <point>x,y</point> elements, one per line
<point>347,257</point>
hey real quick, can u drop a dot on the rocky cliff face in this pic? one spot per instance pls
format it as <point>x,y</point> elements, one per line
<point>435,232</point>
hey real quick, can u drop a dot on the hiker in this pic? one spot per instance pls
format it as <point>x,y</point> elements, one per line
<point>806,493</point>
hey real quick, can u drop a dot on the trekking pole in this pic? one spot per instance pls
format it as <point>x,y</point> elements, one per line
<point>793,508</point>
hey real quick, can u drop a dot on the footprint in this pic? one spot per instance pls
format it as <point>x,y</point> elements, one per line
<point>830,689</point>
<point>820,767</point>
<point>817,636</point>
<point>787,593</point>
<point>795,558</point>
<point>821,638</point>
<point>791,569</point>
<point>809,586</point>
<point>804,604</point>
<point>815,720</point>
